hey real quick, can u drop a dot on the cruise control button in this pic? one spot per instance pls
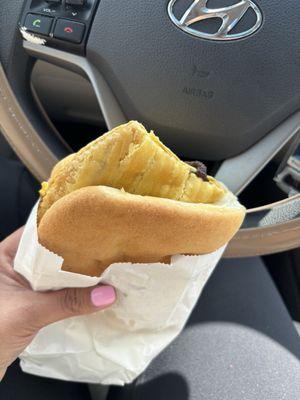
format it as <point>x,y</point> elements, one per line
<point>69,30</point>
<point>38,23</point>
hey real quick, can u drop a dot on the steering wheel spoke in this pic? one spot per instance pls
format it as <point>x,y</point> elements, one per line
<point>108,103</point>
<point>238,172</point>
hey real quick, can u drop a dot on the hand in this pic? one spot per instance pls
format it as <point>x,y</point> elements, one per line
<point>24,312</point>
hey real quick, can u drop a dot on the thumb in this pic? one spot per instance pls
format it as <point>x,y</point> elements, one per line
<point>54,306</point>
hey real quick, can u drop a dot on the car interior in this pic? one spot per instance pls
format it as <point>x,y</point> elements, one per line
<point>72,69</point>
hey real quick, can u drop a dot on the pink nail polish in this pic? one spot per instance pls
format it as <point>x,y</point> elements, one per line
<point>103,296</point>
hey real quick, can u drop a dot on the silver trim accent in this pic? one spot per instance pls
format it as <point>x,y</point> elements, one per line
<point>230,16</point>
<point>239,171</point>
<point>109,105</point>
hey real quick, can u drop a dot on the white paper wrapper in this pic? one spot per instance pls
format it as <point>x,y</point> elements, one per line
<point>113,346</point>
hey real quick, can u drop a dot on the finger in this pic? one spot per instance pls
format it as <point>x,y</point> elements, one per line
<point>55,306</point>
<point>9,245</point>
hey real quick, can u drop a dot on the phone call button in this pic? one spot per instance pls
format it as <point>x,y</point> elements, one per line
<point>38,23</point>
<point>69,30</point>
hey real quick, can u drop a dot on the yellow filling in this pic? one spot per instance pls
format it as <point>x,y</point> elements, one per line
<point>44,188</point>
<point>132,159</point>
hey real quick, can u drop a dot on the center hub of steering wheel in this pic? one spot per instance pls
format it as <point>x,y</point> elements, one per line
<point>208,99</point>
<point>228,19</point>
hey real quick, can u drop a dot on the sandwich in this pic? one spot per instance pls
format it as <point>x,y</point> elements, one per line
<point>125,197</point>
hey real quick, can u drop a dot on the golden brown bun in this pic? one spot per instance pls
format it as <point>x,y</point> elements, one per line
<point>127,198</point>
<point>95,226</point>
<point>129,157</point>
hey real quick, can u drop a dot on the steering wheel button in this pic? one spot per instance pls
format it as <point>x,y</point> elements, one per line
<point>38,23</point>
<point>69,30</point>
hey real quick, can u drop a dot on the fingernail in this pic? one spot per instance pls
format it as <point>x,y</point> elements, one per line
<point>103,296</point>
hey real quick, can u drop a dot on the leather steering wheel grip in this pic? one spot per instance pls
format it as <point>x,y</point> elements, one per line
<point>21,134</point>
<point>267,230</point>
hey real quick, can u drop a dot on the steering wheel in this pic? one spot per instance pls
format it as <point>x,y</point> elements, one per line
<point>231,96</point>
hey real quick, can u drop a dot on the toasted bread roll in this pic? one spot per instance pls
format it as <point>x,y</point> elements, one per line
<point>94,227</point>
<point>127,198</point>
